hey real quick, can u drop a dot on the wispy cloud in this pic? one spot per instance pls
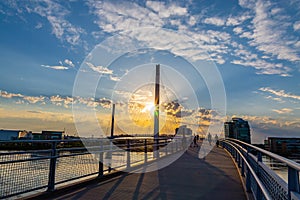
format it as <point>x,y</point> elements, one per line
<point>39,25</point>
<point>280,93</point>
<point>166,11</point>
<point>6,94</point>
<point>275,99</point>
<point>59,101</point>
<point>283,111</point>
<point>99,69</point>
<point>22,98</point>
<point>247,58</point>
<point>216,21</point>
<point>270,31</point>
<point>67,64</point>
<point>56,14</point>
<point>130,17</point>
<point>296,26</point>
<point>114,78</point>
<point>34,99</point>
<point>57,67</point>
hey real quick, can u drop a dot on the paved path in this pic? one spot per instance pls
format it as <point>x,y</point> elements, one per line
<point>187,178</point>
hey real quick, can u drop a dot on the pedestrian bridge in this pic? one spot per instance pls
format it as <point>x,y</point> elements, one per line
<point>234,170</point>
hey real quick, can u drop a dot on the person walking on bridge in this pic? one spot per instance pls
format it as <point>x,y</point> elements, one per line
<point>209,138</point>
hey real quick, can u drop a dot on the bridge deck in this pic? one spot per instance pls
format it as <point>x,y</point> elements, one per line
<point>189,177</point>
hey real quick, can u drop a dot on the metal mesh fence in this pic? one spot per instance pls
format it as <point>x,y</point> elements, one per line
<point>73,166</point>
<point>21,172</point>
<point>271,182</point>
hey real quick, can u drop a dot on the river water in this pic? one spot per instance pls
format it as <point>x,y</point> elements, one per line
<point>279,168</point>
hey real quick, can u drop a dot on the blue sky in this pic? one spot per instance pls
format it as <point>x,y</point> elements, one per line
<point>255,45</point>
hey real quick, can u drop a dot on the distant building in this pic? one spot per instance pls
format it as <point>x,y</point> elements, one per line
<point>229,129</point>
<point>37,136</point>
<point>25,135</point>
<point>237,129</point>
<point>7,135</point>
<point>52,135</point>
<point>183,131</point>
<point>286,146</point>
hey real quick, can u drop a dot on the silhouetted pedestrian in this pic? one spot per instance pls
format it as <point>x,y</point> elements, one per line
<point>217,140</point>
<point>195,141</point>
<point>209,138</point>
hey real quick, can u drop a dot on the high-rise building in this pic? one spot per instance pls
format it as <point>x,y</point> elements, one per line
<point>285,146</point>
<point>237,129</point>
<point>228,129</point>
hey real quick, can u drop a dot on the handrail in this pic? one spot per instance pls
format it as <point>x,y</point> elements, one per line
<point>51,164</point>
<point>290,163</point>
<point>260,184</point>
<point>287,190</point>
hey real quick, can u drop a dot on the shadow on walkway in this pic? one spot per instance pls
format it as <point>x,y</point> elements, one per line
<point>189,177</point>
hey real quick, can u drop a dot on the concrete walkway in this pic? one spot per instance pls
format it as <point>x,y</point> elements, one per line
<point>189,177</point>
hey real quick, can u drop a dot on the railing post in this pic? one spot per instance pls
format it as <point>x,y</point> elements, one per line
<point>109,156</point>
<point>128,153</point>
<point>243,168</point>
<point>145,151</point>
<point>51,177</point>
<point>101,168</point>
<point>166,147</point>
<point>239,160</point>
<point>248,178</point>
<point>259,160</point>
<point>293,181</point>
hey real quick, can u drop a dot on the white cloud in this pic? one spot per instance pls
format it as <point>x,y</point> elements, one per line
<point>30,99</point>
<point>59,101</point>
<point>246,35</point>
<point>275,99</point>
<point>105,103</point>
<point>214,21</point>
<point>262,65</point>
<point>237,20</point>
<point>247,3</point>
<point>270,35</point>
<point>100,69</point>
<point>296,26</point>
<point>39,25</point>
<point>130,17</point>
<point>114,78</point>
<point>9,95</point>
<point>297,44</point>
<point>280,93</point>
<point>283,111</point>
<point>275,11</point>
<point>238,30</point>
<point>56,15</point>
<point>192,21</point>
<point>34,99</point>
<point>57,67</point>
<point>69,62</point>
<point>165,11</point>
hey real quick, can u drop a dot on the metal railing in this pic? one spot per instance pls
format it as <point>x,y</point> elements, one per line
<point>46,164</point>
<point>261,180</point>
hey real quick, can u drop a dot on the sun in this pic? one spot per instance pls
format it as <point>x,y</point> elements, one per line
<point>149,107</point>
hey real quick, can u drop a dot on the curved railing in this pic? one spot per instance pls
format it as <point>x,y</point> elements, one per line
<point>260,179</point>
<point>46,164</point>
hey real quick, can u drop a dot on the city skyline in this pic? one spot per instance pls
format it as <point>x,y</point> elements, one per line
<point>254,45</point>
